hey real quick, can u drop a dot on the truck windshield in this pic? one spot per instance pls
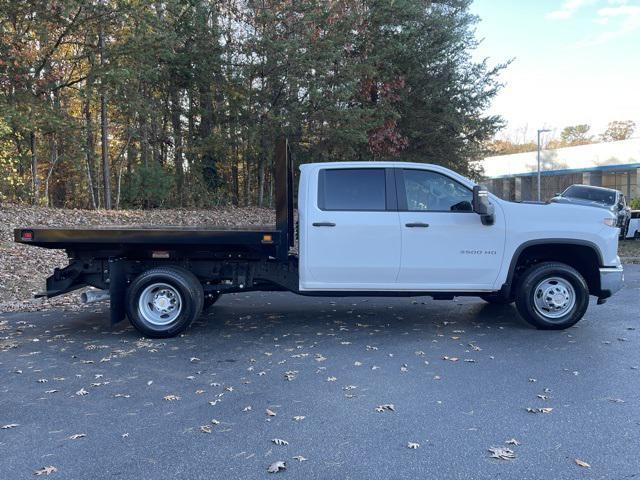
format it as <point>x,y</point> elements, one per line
<point>605,197</point>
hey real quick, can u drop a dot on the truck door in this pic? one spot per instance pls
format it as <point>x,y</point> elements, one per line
<point>351,237</point>
<point>445,246</point>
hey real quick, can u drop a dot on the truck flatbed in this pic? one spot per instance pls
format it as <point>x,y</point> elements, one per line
<point>265,237</point>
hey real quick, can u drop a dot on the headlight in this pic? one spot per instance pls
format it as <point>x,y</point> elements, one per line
<point>611,222</point>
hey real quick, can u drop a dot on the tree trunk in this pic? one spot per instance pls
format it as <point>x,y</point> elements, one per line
<point>106,170</point>
<point>35,183</point>
<point>208,163</point>
<point>53,161</point>
<point>235,194</point>
<point>261,168</point>
<point>90,147</point>
<point>176,123</point>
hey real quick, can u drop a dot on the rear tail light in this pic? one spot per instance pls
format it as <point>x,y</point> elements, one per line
<point>26,235</point>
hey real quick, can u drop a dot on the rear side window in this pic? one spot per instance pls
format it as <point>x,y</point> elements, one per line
<point>352,189</point>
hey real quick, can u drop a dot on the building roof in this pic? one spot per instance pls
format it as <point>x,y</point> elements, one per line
<point>583,158</point>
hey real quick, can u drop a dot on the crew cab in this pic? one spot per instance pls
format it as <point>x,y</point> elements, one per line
<point>365,228</point>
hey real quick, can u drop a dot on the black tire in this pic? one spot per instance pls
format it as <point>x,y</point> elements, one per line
<point>497,299</point>
<point>210,299</point>
<point>178,283</point>
<point>560,276</point>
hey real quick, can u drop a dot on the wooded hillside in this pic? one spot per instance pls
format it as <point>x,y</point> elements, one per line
<point>177,103</point>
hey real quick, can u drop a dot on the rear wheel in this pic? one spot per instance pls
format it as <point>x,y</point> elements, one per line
<point>552,296</point>
<point>162,302</point>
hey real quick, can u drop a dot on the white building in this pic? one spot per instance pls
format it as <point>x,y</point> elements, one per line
<point>612,164</point>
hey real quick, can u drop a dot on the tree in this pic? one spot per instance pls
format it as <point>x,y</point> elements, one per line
<point>575,135</point>
<point>619,130</point>
<point>507,147</point>
<point>196,91</point>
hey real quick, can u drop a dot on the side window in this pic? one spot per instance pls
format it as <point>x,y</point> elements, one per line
<point>352,189</point>
<point>433,192</point>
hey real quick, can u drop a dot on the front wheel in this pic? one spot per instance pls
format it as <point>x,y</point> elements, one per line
<point>552,296</point>
<point>162,302</point>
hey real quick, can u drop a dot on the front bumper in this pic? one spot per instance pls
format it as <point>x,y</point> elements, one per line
<point>611,280</point>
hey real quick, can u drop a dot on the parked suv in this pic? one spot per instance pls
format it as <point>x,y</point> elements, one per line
<point>608,198</point>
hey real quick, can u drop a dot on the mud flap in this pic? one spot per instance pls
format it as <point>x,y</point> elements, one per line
<point>117,289</point>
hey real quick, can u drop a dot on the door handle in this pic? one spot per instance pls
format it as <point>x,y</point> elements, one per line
<point>324,224</point>
<point>417,225</point>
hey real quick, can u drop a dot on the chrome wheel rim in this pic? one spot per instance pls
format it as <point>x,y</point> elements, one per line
<point>554,297</point>
<point>160,304</point>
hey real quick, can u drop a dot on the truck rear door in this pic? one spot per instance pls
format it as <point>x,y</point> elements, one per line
<point>350,231</point>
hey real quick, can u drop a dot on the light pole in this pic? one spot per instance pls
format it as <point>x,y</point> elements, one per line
<point>542,130</point>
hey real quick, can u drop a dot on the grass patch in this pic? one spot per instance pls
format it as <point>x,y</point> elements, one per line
<point>629,250</point>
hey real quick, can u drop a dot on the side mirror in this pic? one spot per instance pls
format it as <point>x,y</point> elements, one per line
<point>482,206</point>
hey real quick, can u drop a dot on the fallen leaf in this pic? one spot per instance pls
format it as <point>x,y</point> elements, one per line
<point>82,392</point>
<point>539,410</point>
<point>300,458</point>
<point>7,427</point>
<point>171,398</point>
<point>276,467</point>
<point>77,436</point>
<point>502,453</point>
<point>271,413</point>
<point>413,445</point>
<point>279,441</point>
<point>206,428</point>
<point>386,407</point>
<point>298,418</point>
<point>582,463</point>
<point>46,470</point>
<point>513,441</point>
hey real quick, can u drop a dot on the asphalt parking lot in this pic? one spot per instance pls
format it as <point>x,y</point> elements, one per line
<point>97,402</point>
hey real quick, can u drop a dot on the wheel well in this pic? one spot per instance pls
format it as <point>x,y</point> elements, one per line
<point>581,257</point>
